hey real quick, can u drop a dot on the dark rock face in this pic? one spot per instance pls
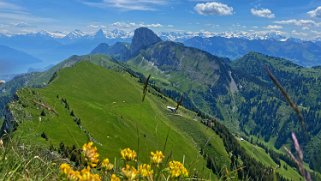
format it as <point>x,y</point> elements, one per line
<point>143,38</point>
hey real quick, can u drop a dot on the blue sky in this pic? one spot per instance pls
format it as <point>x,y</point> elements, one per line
<point>296,18</point>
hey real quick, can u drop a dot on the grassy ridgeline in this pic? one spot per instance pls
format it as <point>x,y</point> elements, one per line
<point>110,110</point>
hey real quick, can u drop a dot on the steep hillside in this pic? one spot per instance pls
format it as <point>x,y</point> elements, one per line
<point>263,111</point>
<point>88,102</point>
<point>110,112</point>
<point>177,70</point>
<point>180,70</point>
<point>40,79</point>
<point>239,93</point>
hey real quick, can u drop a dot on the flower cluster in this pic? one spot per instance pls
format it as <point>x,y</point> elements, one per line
<point>114,178</point>
<point>177,169</point>
<point>83,175</point>
<point>157,157</point>
<point>91,157</point>
<point>145,170</point>
<point>129,172</point>
<point>90,153</point>
<point>131,169</point>
<point>128,154</point>
<point>106,165</point>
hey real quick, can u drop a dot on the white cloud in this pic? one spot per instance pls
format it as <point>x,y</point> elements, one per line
<point>318,33</point>
<point>19,19</point>
<point>274,27</point>
<point>21,24</point>
<point>5,6</point>
<point>300,34</point>
<point>17,15</point>
<point>213,8</point>
<point>133,25</point>
<point>139,5</point>
<point>315,13</point>
<point>264,13</point>
<point>299,22</point>
<point>96,26</point>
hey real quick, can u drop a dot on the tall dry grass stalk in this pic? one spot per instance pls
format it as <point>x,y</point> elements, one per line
<point>145,87</point>
<point>286,96</point>
<point>180,101</point>
<point>299,159</point>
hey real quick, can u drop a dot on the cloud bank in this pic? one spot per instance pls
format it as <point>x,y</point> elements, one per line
<point>213,8</point>
<point>263,13</point>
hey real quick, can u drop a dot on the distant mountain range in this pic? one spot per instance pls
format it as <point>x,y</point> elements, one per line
<point>12,60</point>
<point>305,53</point>
<point>52,47</point>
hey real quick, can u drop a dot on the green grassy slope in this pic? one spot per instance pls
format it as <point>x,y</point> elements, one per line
<point>110,108</point>
<point>108,103</point>
<point>260,155</point>
<point>264,111</point>
<point>41,79</point>
<point>179,69</point>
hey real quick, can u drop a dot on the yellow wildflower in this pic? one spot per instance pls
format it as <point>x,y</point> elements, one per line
<point>129,172</point>
<point>90,153</point>
<point>65,168</point>
<point>114,178</point>
<point>73,175</point>
<point>145,170</point>
<point>128,154</point>
<point>157,157</point>
<point>86,175</point>
<point>105,164</point>
<point>69,172</point>
<point>177,169</point>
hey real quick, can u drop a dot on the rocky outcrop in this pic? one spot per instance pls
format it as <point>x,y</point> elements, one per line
<point>143,38</point>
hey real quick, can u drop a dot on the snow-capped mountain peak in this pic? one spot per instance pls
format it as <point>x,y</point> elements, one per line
<point>57,34</point>
<point>75,34</point>
<point>100,34</point>
<point>117,33</point>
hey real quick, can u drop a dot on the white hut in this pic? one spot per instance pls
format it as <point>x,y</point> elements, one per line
<point>172,109</point>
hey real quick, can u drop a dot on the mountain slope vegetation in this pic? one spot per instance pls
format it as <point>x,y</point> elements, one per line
<point>88,102</point>
<point>239,92</point>
<point>105,106</point>
<point>111,113</point>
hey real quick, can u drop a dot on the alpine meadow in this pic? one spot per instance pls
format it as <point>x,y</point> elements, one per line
<point>160,90</point>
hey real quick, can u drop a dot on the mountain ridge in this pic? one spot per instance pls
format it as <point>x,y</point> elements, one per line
<point>122,117</point>
<point>305,53</point>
